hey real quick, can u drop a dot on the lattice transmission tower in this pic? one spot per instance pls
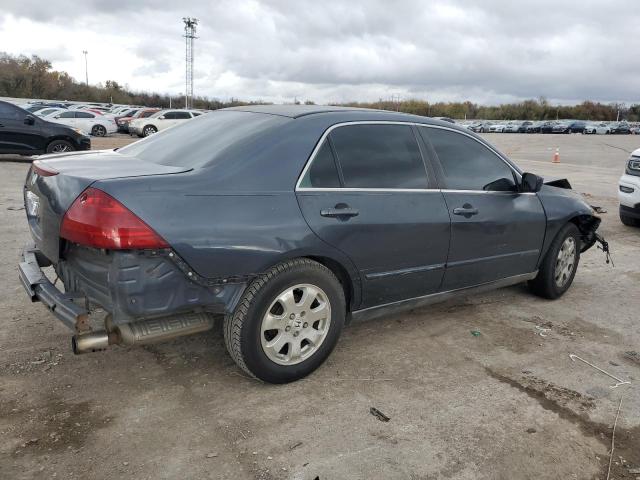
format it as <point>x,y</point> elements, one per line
<point>189,37</point>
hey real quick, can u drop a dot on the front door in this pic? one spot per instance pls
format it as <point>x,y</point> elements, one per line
<point>496,231</point>
<point>16,136</point>
<point>366,192</point>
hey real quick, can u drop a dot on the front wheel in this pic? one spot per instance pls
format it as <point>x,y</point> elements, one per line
<point>559,265</point>
<point>629,221</point>
<point>149,130</point>
<point>98,131</point>
<point>287,322</point>
<point>60,146</point>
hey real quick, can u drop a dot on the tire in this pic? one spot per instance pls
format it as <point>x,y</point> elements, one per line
<point>148,130</point>
<point>99,131</point>
<point>246,331</point>
<point>550,282</point>
<point>60,146</point>
<point>629,221</point>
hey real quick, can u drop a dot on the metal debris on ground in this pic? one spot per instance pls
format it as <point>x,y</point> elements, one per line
<point>599,209</point>
<point>620,381</point>
<point>475,333</point>
<point>613,437</point>
<point>542,331</point>
<point>378,414</point>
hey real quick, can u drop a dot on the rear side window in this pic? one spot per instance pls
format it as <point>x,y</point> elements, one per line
<point>84,115</point>
<point>322,173</point>
<point>379,156</point>
<point>68,115</point>
<point>466,163</point>
<point>9,112</point>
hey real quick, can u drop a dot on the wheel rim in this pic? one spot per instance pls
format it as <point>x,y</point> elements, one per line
<point>565,262</point>
<point>100,131</point>
<point>148,131</point>
<point>295,324</point>
<point>60,147</point>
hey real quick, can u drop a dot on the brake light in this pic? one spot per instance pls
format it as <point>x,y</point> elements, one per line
<point>41,170</point>
<point>96,219</point>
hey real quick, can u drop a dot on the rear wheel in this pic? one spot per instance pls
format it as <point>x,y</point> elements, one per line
<point>149,130</point>
<point>98,131</point>
<point>60,146</point>
<point>559,265</point>
<point>287,322</point>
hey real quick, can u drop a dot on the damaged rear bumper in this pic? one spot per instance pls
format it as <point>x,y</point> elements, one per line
<point>129,285</point>
<point>40,288</point>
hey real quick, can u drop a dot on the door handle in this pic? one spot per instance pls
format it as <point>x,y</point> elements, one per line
<point>339,212</point>
<point>466,210</point>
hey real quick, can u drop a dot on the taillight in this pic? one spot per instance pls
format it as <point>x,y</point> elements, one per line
<point>41,170</point>
<point>98,220</point>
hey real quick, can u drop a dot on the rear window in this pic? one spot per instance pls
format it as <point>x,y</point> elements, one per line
<point>203,140</point>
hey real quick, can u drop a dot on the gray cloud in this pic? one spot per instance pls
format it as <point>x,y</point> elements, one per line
<point>487,51</point>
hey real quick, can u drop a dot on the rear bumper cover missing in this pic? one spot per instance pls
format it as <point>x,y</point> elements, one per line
<point>130,285</point>
<point>40,288</point>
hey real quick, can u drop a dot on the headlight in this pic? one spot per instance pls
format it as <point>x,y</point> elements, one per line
<point>633,166</point>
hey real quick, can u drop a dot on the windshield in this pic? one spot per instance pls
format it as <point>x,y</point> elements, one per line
<point>203,140</point>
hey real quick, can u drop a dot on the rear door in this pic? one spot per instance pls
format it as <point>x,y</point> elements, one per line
<point>367,191</point>
<point>85,121</point>
<point>16,136</point>
<point>496,231</point>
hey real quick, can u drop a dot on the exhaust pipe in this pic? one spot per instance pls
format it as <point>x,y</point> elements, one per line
<point>92,342</point>
<point>143,332</point>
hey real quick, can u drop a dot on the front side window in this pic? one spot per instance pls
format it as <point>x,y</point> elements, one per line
<point>467,164</point>
<point>67,115</point>
<point>379,156</point>
<point>322,173</point>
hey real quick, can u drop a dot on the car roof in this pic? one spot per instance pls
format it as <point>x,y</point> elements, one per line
<point>364,114</point>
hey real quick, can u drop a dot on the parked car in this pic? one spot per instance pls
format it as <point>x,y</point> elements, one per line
<point>562,127</point>
<point>497,127</point>
<point>577,126</point>
<point>480,127</point>
<point>517,127</point>
<point>547,127</point>
<point>629,191</point>
<point>534,127</point>
<point>123,122</point>
<point>94,123</point>
<point>24,133</point>
<point>49,111</point>
<point>593,128</point>
<point>143,127</point>
<point>621,128</point>
<point>246,212</point>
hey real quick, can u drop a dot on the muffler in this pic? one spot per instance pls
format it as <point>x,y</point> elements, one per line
<point>143,332</point>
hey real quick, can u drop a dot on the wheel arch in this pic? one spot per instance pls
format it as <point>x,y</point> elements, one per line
<point>587,225</point>
<point>341,273</point>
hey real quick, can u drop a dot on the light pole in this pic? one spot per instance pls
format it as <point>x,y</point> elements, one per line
<point>86,69</point>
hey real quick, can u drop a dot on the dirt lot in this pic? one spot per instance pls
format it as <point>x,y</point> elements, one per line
<point>507,404</point>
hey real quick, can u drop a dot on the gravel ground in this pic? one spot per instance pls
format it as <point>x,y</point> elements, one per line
<point>507,404</point>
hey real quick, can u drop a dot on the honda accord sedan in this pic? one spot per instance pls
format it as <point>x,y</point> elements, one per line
<point>288,222</point>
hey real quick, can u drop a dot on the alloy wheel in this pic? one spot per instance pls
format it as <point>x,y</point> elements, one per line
<point>60,147</point>
<point>565,262</point>
<point>295,324</point>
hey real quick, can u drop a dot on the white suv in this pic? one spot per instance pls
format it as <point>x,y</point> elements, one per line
<point>629,191</point>
<point>143,127</point>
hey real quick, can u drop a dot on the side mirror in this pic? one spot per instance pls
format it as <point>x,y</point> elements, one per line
<point>500,185</point>
<point>29,120</point>
<point>161,117</point>
<point>57,116</point>
<point>531,182</point>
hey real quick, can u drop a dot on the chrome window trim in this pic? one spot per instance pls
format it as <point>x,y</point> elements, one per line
<point>326,133</point>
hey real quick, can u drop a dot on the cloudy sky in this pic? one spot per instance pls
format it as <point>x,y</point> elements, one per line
<point>487,51</point>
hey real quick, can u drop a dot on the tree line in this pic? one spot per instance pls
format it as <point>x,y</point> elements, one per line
<point>34,77</point>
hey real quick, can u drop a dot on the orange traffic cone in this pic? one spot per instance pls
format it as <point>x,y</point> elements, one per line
<point>556,156</point>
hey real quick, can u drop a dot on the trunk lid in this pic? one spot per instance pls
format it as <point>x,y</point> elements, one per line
<point>47,198</point>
